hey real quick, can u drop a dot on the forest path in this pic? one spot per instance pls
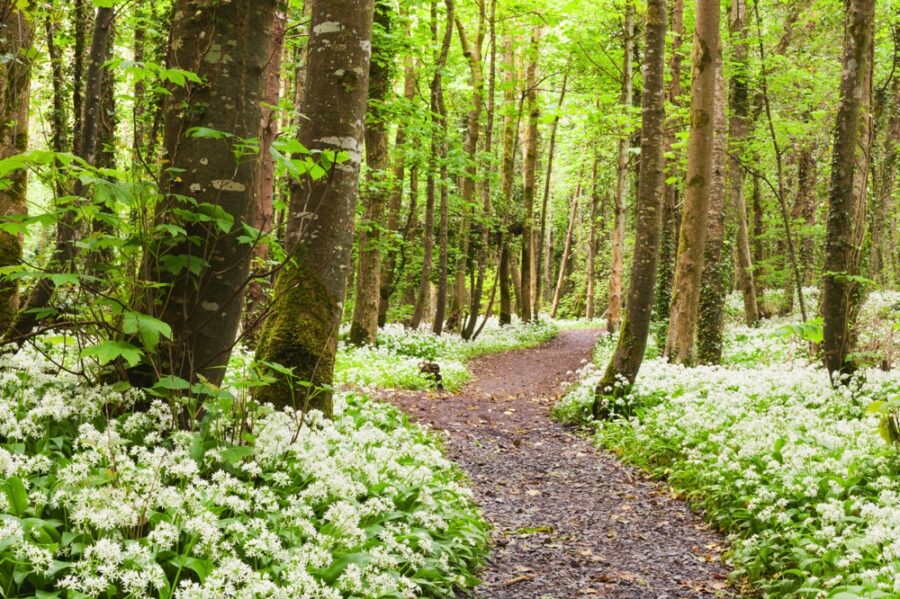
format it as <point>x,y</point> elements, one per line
<point>569,520</point>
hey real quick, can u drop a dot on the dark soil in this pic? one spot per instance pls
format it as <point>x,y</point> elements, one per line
<point>569,520</point>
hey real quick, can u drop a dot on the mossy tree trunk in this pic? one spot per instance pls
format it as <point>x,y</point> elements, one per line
<point>692,237</point>
<point>626,361</point>
<point>15,78</point>
<point>301,332</point>
<point>614,312</point>
<point>847,192</point>
<point>379,181</point>
<point>507,176</point>
<point>592,241</point>
<point>883,257</point>
<point>713,282</point>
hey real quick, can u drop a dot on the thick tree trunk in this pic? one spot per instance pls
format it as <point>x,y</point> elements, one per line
<point>364,326</point>
<point>204,277</point>
<point>529,169</point>
<point>505,299</point>
<point>614,313</point>
<point>805,210</point>
<point>847,193</point>
<point>542,251</point>
<point>739,102</point>
<point>507,174</point>
<point>692,237</point>
<point>15,78</point>
<point>713,289</point>
<point>439,110</point>
<point>301,332</point>
<point>669,237</point>
<point>626,361</point>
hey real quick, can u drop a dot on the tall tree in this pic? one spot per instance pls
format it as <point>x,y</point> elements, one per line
<point>567,249</point>
<point>626,361</point>
<point>592,240</point>
<point>847,192</point>
<point>692,237</point>
<point>15,78</point>
<point>364,326</point>
<point>614,312</point>
<point>507,175</point>
<point>529,169</point>
<point>301,331</point>
<point>739,103</point>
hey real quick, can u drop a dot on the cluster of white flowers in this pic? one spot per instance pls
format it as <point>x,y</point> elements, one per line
<point>396,362</point>
<point>119,499</point>
<point>794,468</point>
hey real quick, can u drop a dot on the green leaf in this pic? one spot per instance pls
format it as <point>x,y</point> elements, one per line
<point>16,495</point>
<point>150,329</point>
<point>233,455</point>
<point>107,351</point>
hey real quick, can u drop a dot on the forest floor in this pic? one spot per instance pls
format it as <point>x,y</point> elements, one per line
<point>569,520</point>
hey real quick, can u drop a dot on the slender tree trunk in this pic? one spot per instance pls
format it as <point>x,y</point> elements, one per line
<point>883,257</point>
<point>692,237</point>
<point>507,174</point>
<point>469,331</point>
<point>626,361</point>
<point>847,193</point>
<point>614,313</point>
<point>15,79</point>
<point>364,326</point>
<point>66,234</point>
<point>389,264</point>
<point>301,332</point>
<point>739,102</point>
<point>472,53</point>
<point>439,109</point>
<point>713,290</point>
<point>805,209</point>
<point>567,249</point>
<point>669,238</point>
<point>542,251</point>
<point>528,177</point>
<point>80,20</point>
<point>592,242</point>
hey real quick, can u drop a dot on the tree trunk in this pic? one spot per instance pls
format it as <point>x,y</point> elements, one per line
<point>614,313</point>
<point>542,251</point>
<point>264,211</point>
<point>805,209</point>
<point>713,289</point>
<point>567,249</point>
<point>692,237</point>
<point>388,267</point>
<point>592,242</point>
<point>883,257</point>
<point>528,176</point>
<point>301,332</point>
<point>364,326</point>
<point>739,103</point>
<point>15,78</point>
<point>669,237</point>
<point>626,361</point>
<point>507,174</point>
<point>505,299</point>
<point>847,193</point>
<point>439,110</point>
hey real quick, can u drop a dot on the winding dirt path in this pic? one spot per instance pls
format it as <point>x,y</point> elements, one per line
<point>569,521</point>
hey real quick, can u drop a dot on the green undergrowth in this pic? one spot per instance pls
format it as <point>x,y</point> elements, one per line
<point>396,361</point>
<point>801,476</point>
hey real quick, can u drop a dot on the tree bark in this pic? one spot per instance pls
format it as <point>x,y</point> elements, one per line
<point>626,361</point>
<point>883,256</point>
<point>739,102</point>
<point>592,242</point>
<point>529,168</point>
<point>541,250</point>
<point>614,313</point>
<point>439,109</point>
<point>692,237</point>
<point>669,238</point>
<point>713,289</point>
<point>507,174</point>
<point>847,192</point>
<point>364,326</point>
<point>15,80</point>
<point>301,331</point>
<point>567,249</point>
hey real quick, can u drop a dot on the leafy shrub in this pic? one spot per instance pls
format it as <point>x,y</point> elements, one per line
<point>100,499</point>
